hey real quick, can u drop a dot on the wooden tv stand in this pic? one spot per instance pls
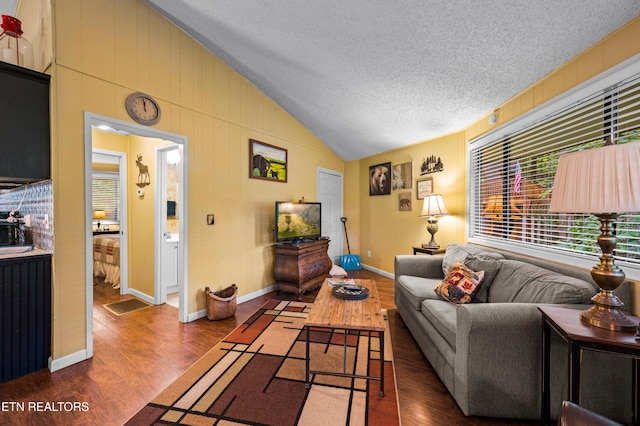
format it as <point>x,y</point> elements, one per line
<point>301,267</point>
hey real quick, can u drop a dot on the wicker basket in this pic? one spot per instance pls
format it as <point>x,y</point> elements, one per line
<point>221,304</point>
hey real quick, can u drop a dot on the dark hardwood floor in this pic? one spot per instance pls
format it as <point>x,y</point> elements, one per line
<point>138,354</point>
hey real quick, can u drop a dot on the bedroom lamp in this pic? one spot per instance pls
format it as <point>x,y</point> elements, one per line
<point>99,214</point>
<point>604,182</point>
<point>432,208</point>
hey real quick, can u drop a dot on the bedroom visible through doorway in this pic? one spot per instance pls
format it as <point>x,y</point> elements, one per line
<point>139,217</point>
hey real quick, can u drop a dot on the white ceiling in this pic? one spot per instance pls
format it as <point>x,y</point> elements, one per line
<point>8,7</point>
<point>367,76</point>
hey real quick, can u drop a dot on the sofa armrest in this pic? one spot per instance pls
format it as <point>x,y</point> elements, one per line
<point>419,266</point>
<point>498,348</point>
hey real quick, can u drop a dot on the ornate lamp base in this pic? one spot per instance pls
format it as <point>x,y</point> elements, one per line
<point>432,227</point>
<point>606,313</point>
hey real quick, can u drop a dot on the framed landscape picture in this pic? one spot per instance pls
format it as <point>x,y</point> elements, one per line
<point>424,188</point>
<point>267,162</point>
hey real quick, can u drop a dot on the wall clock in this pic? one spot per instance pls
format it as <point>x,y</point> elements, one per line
<point>143,108</point>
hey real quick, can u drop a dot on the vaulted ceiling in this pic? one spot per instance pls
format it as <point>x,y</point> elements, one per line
<point>367,76</point>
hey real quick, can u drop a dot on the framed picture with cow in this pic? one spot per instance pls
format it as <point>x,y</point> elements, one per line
<point>267,162</point>
<point>380,179</point>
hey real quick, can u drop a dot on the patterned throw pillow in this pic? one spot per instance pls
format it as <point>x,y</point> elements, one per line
<point>460,284</point>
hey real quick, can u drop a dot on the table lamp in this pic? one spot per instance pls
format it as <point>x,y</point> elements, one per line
<point>432,208</point>
<point>604,182</point>
<point>99,214</point>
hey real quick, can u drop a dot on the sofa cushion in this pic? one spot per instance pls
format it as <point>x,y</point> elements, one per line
<point>522,282</point>
<point>416,289</point>
<point>460,284</point>
<point>442,315</point>
<point>476,259</point>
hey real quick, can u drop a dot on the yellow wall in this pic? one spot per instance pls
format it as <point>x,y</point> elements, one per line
<point>386,231</point>
<point>99,60</point>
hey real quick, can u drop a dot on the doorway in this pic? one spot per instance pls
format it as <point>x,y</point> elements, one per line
<point>167,235</point>
<point>329,190</point>
<point>94,121</point>
<point>112,201</point>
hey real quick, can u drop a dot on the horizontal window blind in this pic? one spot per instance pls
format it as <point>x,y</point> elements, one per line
<point>511,176</point>
<point>106,194</point>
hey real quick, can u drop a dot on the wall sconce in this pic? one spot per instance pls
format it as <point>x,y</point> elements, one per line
<point>99,214</point>
<point>604,182</point>
<point>432,208</point>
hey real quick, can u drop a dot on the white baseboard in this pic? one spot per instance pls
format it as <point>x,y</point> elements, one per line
<point>255,294</point>
<point>378,271</point>
<point>203,312</point>
<point>66,361</point>
<point>141,295</point>
<point>197,315</point>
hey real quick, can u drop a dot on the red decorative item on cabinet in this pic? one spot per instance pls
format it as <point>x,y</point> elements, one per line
<point>14,48</point>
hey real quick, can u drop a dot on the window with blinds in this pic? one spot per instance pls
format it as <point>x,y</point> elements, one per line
<point>106,194</point>
<point>511,177</point>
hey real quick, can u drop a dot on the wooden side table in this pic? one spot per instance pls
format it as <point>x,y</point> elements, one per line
<point>431,251</point>
<point>581,336</point>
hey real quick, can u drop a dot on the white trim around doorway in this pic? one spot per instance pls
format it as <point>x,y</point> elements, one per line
<point>118,126</point>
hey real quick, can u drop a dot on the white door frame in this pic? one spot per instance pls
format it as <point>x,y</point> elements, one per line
<point>159,293</point>
<point>124,217</point>
<point>94,120</point>
<point>319,174</point>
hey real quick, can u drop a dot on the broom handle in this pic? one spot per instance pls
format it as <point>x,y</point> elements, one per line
<point>344,223</point>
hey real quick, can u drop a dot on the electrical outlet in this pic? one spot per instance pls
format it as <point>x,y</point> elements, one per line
<point>369,253</point>
<point>211,219</point>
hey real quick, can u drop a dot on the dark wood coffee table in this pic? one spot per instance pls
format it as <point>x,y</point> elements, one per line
<point>349,315</point>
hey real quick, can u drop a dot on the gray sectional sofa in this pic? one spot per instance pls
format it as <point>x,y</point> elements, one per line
<point>488,352</point>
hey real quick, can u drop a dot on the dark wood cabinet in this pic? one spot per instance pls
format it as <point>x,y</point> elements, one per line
<point>301,267</point>
<point>25,315</point>
<point>24,125</point>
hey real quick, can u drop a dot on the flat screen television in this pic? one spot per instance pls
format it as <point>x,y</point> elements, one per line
<point>296,222</point>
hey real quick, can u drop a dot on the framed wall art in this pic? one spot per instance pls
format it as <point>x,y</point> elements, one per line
<point>424,188</point>
<point>267,162</point>
<point>402,176</point>
<point>404,201</point>
<point>431,164</point>
<point>380,179</point>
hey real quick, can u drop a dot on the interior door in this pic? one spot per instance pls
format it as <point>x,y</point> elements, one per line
<point>169,220</point>
<point>329,189</point>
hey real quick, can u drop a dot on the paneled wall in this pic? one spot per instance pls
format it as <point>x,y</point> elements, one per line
<point>104,50</point>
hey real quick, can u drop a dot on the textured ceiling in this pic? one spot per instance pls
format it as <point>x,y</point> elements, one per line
<point>8,7</point>
<point>367,76</point>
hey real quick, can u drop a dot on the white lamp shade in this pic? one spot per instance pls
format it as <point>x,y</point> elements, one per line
<point>433,206</point>
<point>599,180</point>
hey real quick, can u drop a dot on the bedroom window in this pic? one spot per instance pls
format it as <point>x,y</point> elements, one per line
<point>106,195</point>
<point>511,176</point>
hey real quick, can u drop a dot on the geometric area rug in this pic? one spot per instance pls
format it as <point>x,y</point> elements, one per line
<point>255,376</point>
